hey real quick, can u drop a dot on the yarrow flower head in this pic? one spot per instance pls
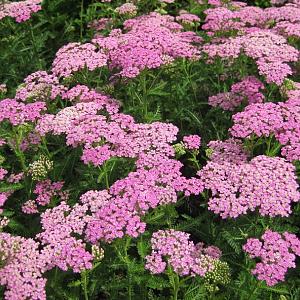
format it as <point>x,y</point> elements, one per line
<point>269,50</point>
<point>192,142</point>
<point>276,252</point>
<point>45,191</point>
<point>4,221</point>
<point>173,248</point>
<point>39,86</point>
<point>188,18</point>
<point>40,168</point>
<point>247,90</point>
<point>220,275</point>
<point>3,89</point>
<point>74,57</point>
<point>21,11</point>
<point>133,51</point>
<point>97,252</point>
<point>279,119</point>
<point>60,224</point>
<point>23,265</point>
<point>127,9</point>
<point>18,113</point>
<point>267,183</point>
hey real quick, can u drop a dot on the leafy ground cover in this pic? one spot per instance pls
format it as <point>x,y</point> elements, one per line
<point>149,149</point>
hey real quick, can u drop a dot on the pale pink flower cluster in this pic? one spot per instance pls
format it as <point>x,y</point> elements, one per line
<point>266,183</point>
<point>95,199</point>
<point>81,93</point>
<point>128,9</point>
<point>100,24</point>
<point>74,57</point>
<point>3,88</point>
<point>117,133</point>
<point>286,28</point>
<point>39,86</point>
<point>221,19</point>
<point>4,221</point>
<point>3,173</point>
<point>248,90</point>
<point>173,248</point>
<point>281,2</point>
<point>23,269</point>
<point>167,1</point>
<point>30,141</point>
<point>15,178</point>
<point>21,11</point>
<point>276,252</point>
<point>2,142</point>
<point>187,18</point>
<point>156,182</point>
<point>269,50</point>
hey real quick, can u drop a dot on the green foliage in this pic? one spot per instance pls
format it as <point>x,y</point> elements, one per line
<point>175,93</point>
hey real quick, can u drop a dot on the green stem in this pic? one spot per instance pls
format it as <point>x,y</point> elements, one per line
<point>84,282</point>
<point>195,161</point>
<point>176,285</point>
<point>18,151</point>
<point>125,258</point>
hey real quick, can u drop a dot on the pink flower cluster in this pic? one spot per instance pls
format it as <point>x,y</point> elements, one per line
<point>31,140</point>
<point>173,248</point>
<point>234,19</point>
<point>229,151</point>
<point>267,183</point>
<point>100,24</point>
<point>19,113</point>
<point>3,198</point>
<point>24,266</point>
<point>269,50</point>
<point>3,173</point>
<point>278,119</point>
<point>247,90</point>
<point>45,191</point>
<point>192,142</point>
<point>21,11</point>
<point>133,51</point>
<point>276,252</point>
<point>103,136</point>
<point>15,178</point>
<point>156,182</point>
<point>60,224</point>
<point>3,88</point>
